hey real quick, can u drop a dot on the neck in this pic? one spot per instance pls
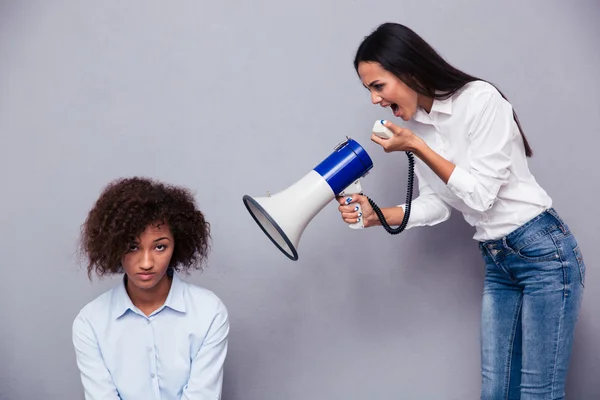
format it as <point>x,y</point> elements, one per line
<point>148,300</point>
<point>425,103</point>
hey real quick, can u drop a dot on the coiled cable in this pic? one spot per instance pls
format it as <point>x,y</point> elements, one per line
<point>409,195</point>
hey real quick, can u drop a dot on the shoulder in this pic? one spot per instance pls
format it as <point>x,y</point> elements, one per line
<point>479,95</point>
<point>202,300</point>
<point>97,310</point>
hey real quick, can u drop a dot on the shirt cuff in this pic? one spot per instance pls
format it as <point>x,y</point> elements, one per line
<point>425,214</point>
<point>461,182</point>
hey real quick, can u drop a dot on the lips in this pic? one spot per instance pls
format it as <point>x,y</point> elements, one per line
<point>146,276</point>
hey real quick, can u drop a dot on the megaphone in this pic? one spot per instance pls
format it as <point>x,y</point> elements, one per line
<point>284,215</point>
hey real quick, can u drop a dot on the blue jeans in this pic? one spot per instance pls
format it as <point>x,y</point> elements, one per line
<point>532,293</point>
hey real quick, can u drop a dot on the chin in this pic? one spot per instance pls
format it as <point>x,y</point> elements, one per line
<point>408,117</point>
<point>146,284</point>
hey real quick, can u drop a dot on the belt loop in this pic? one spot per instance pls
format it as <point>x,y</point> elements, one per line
<point>505,244</point>
<point>559,220</point>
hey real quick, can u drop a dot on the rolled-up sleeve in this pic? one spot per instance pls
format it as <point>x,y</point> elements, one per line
<point>491,136</point>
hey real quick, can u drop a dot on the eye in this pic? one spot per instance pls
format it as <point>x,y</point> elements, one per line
<point>378,86</point>
<point>161,247</point>
<point>132,247</point>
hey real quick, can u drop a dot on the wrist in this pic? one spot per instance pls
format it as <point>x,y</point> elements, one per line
<point>371,220</point>
<point>418,146</point>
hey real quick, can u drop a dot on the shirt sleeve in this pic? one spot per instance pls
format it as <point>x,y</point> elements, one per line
<point>206,375</point>
<point>95,377</point>
<point>428,208</point>
<point>491,136</point>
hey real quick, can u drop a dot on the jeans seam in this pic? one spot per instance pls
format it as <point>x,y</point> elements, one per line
<point>566,285</point>
<point>511,347</point>
<point>557,344</point>
<point>580,264</point>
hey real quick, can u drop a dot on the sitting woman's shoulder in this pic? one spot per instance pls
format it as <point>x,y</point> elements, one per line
<point>200,296</point>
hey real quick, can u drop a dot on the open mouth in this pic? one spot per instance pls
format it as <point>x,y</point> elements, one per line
<point>394,107</point>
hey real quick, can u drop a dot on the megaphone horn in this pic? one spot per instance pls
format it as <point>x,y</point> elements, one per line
<point>284,215</point>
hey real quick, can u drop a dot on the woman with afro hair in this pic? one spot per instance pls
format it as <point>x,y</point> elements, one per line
<point>152,336</point>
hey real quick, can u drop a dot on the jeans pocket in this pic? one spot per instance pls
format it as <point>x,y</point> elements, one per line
<point>580,264</point>
<point>541,249</point>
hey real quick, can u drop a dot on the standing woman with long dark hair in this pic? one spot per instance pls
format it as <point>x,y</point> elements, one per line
<point>471,156</point>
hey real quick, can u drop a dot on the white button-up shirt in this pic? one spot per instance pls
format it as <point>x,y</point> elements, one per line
<point>491,184</point>
<point>176,353</point>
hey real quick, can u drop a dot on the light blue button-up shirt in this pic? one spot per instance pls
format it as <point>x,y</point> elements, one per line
<point>176,353</point>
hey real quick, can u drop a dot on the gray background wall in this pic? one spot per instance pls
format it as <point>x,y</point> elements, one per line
<point>229,101</point>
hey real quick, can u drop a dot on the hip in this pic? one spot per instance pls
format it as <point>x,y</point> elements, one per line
<point>543,245</point>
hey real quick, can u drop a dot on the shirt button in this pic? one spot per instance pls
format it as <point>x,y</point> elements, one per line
<point>150,349</point>
<point>153,376</point>
<point>147,321</point>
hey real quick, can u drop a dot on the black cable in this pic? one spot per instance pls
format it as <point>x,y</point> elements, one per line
<point>409,194</point>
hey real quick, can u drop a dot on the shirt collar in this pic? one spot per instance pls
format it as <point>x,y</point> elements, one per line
<point>443,106</point>
<point>175,299</point>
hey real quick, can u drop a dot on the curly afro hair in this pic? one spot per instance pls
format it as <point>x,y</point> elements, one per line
<point>126,207</point>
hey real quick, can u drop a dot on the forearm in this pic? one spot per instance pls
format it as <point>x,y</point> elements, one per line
<point>438,164</point>
<point>393,216</point>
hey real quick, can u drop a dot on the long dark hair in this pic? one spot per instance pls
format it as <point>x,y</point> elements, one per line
<point>405,54</point>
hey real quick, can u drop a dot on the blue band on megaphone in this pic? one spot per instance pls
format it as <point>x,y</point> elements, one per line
<point>345,165</point>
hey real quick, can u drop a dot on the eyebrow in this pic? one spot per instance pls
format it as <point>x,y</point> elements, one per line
<point>154,241</point>
<point>373,83</point>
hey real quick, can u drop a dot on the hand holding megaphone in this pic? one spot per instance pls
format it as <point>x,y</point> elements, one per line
<point>356,208</point>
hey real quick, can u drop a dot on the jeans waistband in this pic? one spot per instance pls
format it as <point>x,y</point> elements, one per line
<point>539,222</point>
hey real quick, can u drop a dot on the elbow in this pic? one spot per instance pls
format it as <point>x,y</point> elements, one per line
<point>482,198</point>
<point>439,211</point>
<point>482,204</point>
<point>442,214</point>
<point>445,213</point>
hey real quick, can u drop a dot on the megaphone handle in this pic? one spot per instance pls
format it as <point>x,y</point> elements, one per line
<point>359,224</point>
<point>355,188</point>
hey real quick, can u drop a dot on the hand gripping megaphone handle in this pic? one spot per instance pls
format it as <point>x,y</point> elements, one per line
<point>354,188</point>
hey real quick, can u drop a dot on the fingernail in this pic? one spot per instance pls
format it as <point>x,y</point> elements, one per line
<point>360,214</point>
<point>356,208</point>
<point>348,200</point>
<point>357,219</point>
<point>383,121</point>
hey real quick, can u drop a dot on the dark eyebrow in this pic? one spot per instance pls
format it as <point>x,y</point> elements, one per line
<point>373,83</point>
<point>164,237</point>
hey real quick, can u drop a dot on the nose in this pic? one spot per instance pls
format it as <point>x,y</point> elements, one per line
<point>147,261</point>
<point>375,98</point>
